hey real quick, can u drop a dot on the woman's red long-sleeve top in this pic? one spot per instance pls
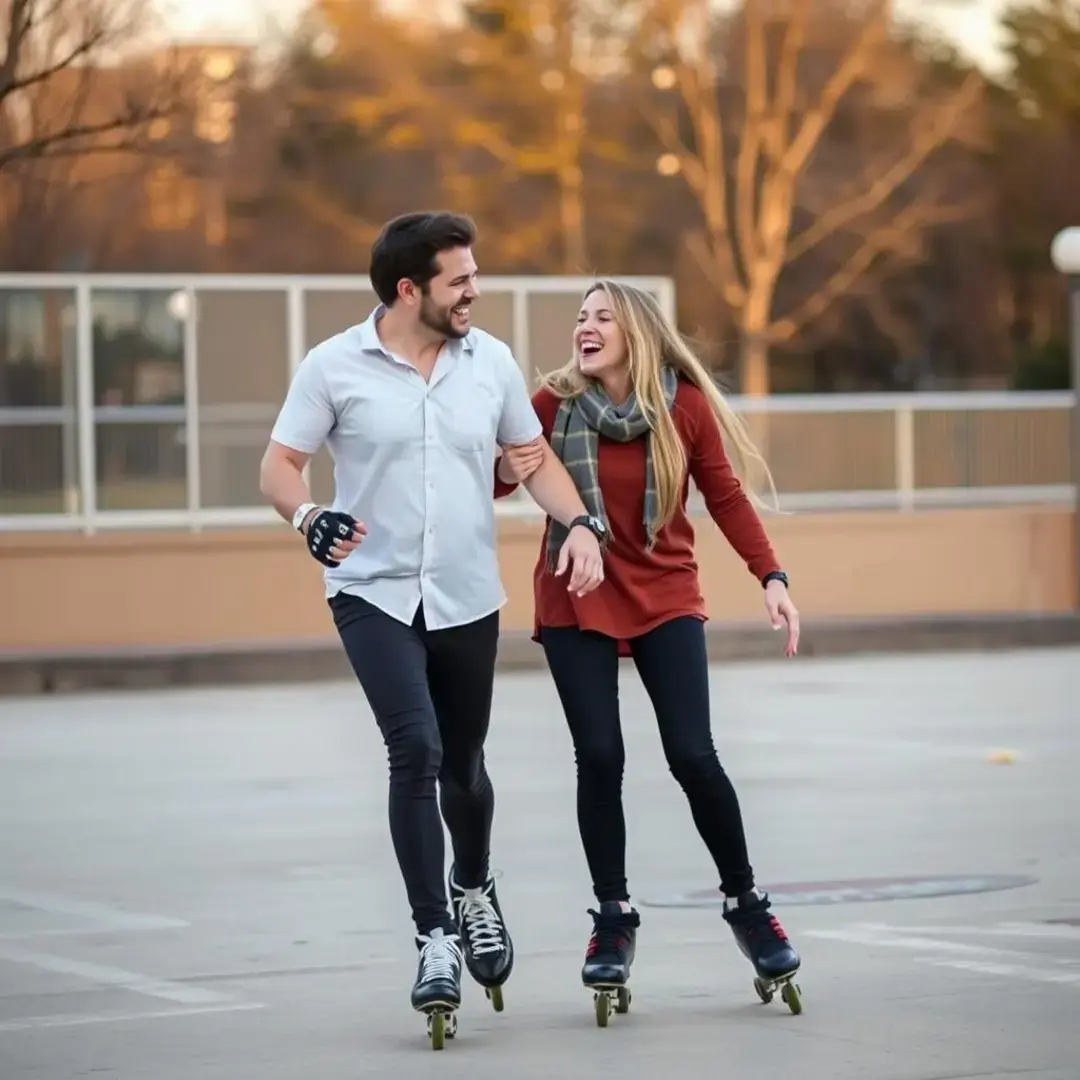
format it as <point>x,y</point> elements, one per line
<point>642,589</point>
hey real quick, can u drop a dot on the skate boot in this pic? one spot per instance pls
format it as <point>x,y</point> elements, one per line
<point>609,956</point>
<point>488,948</point>
<point>437,990</point>
<point>763,941</point>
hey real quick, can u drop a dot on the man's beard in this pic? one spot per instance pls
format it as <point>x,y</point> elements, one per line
<point>439,319</point>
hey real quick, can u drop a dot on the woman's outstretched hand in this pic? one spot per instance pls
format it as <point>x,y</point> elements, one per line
<point>782,610</point>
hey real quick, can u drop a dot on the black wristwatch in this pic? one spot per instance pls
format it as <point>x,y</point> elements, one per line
<point>775,575</point>
<point>593,524</point>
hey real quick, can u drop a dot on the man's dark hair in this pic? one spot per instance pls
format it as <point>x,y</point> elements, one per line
<point>409,247</point>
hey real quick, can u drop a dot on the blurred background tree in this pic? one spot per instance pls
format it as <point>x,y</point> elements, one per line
<point>844,201</point>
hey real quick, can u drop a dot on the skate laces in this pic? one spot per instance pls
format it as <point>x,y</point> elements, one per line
<point>777,929</point>
<point>611,934</point>
<point>440,958</point>
<point>759,918</point>
<point>480,921</point>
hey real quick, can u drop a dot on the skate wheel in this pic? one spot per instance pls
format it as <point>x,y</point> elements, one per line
<point>436,1026</point>
<point>495,996</point>
<point>441,1026</point>
<point>792,997</point>
<point>763,991</point>
<point>622,1001</point>
<point>602,1001</point>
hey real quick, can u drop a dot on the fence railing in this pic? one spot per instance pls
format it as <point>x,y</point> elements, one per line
<point>906,451</point>
<point>146,402</point>
<point>827,452</point>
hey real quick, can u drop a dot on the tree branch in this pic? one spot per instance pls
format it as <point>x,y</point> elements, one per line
<point>705,168</point>
<point>701,251</point>
<point>11,83</point>
<point>753,132</point>
<point>322,210</point>
<point>48,39</point>
<point>896,235</point>
<point>67,142</point>
<point>842,79</point>
<point>20,16</point>
<point>934,131</point>
<point>787,80</point>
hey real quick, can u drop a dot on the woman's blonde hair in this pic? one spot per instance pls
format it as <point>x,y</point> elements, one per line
<point>652,342</point>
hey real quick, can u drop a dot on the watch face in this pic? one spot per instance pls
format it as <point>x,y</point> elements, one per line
<point>597,524</point>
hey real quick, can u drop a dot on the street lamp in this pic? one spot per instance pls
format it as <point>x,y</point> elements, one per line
<point>1065,254</point>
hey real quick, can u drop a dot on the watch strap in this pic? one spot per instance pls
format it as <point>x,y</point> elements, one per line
<point>302,512</point>
<point>594,525</point>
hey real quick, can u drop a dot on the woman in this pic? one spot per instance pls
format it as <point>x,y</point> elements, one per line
<point>634,416</point>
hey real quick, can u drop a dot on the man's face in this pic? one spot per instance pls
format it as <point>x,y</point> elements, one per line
<point>445,302</point>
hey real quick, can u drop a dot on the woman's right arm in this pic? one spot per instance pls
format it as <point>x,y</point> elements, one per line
<point>546,406</point>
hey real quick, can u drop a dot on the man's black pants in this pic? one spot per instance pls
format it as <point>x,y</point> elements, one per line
<point>430,691</point>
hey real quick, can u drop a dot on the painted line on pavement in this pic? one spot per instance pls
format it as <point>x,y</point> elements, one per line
<point>101,916</point>
<point>959,955</point>
<point>115,977</point>
<point>37,1023</point>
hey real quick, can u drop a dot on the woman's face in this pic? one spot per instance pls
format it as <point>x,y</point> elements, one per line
<point>599,343</point>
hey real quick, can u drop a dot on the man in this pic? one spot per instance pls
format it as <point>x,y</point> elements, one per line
<point>412,404</point>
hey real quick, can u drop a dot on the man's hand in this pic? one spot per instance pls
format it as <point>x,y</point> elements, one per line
<point>332,536</point>
<point>518,463</point>
<point>781,610</point>
<point>581,549</point>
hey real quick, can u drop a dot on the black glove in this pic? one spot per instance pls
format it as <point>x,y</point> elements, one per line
<point>324,530</point>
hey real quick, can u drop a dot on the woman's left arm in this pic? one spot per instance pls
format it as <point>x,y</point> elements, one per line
<point>734,513</point>
<point>727,502</point>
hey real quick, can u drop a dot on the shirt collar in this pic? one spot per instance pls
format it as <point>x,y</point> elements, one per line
<point>369,337</point>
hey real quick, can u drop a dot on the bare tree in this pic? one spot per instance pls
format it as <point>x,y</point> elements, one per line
<point>532,68</point>
<point>495,109</point>
<point>68,83</point>
<point>358,136</point>
<point>751,138</point>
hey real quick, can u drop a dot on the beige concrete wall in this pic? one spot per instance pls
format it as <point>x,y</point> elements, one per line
<point>160,589</point>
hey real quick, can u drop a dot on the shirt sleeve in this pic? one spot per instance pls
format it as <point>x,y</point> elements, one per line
<point>518,422</point>
<point>307,416</point>
<point>544,406</point>
<point>727,502</point>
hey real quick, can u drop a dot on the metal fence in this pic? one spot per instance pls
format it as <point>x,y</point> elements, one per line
<point>146,401</point>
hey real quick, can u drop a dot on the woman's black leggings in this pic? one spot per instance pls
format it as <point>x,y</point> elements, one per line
<point>672,663</point>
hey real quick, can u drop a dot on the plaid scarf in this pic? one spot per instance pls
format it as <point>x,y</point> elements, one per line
<point>575,439</point>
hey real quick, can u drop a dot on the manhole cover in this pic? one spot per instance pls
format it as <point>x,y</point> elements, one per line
<point>855,890</point>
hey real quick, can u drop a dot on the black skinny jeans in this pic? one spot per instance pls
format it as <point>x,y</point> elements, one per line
<point>672,662</point>
<point>430,691</point>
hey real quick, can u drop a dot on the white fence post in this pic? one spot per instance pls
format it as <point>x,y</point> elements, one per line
<point>84,405</point>
<point>1065,253</point>
<point>904,434</point>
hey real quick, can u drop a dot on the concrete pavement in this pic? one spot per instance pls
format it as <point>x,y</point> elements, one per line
<point>199,885</point>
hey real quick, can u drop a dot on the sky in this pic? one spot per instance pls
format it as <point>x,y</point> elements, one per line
<point>970,23</point>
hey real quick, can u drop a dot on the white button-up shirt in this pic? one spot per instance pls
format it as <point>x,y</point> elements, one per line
<point>414,461</point>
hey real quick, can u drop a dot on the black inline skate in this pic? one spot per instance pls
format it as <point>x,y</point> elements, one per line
<point>437,990</point>
<point>764,942</point>
<point>609,957</point>
<point>488,948</point>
